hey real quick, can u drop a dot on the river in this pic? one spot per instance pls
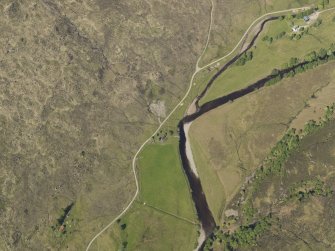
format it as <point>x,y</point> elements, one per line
<point>204,213</point>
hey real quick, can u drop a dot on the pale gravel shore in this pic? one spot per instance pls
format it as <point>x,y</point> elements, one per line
<point>201,239</point>
<point>189,153</point>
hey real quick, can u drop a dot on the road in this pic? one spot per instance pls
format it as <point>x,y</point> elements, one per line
<point>197,70</point>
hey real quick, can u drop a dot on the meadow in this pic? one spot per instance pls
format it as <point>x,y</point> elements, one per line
<point>163,216</point>
<point>231,21</point>
<point>268,56</point>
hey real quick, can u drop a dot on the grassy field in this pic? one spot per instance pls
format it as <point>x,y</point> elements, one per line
<point>267,57</point>
<point>230,21</point>
<point>145,228</point>
<point>162,180</point>
<point>163,217</point>
<point>230,141</point>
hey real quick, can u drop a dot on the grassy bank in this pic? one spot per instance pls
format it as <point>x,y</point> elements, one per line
<point>268,56</point>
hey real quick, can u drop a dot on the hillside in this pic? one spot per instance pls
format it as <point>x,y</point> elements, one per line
<point>81,83</point>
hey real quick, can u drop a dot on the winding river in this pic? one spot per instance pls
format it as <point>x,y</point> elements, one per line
<point>204,214</point>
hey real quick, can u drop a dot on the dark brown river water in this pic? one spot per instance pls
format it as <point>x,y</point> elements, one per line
<point>204,213</point>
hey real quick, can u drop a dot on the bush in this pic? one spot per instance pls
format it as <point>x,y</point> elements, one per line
<point>280,35</point>
<point>268,39</point>
<point>318,23</point>
<point>247,56</point>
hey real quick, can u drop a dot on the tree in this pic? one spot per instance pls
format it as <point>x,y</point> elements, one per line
<point>275,72</point>
<point>293,61</point>
<point>322,53</point>
<point>311,56</point>
<point>332,47</point>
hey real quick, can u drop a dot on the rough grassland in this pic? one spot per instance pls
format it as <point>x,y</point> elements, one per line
<point>77,78</point>
<point>302,224</point>
<point>270,56</point>
<point>234,138</point>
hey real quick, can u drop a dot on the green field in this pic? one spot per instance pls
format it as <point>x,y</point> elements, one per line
<point>162,180</point>
<point>234,21</point>
<point>145,228</point>
<point>267,57</point>
<point>163,216</point>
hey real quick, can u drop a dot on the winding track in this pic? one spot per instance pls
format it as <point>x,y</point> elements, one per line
<point>197,70</point>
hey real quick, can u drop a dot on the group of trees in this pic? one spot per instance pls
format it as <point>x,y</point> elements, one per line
<point>304,13</point>
<point>323,3</point>
<point>278,155</point>
<point>124,235</point>
<point>244,236</point>
<point>312,125</point>
<point>304,189</point>
<point>311,60</point>
<point>245,57</point>
<point>269,39</point>
<point>162,135</point>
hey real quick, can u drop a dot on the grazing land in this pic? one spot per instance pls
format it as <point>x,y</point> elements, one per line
<point>231,141</point>
<point>267,56</point>
<point>163,216</point>
<point>231,21</point>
